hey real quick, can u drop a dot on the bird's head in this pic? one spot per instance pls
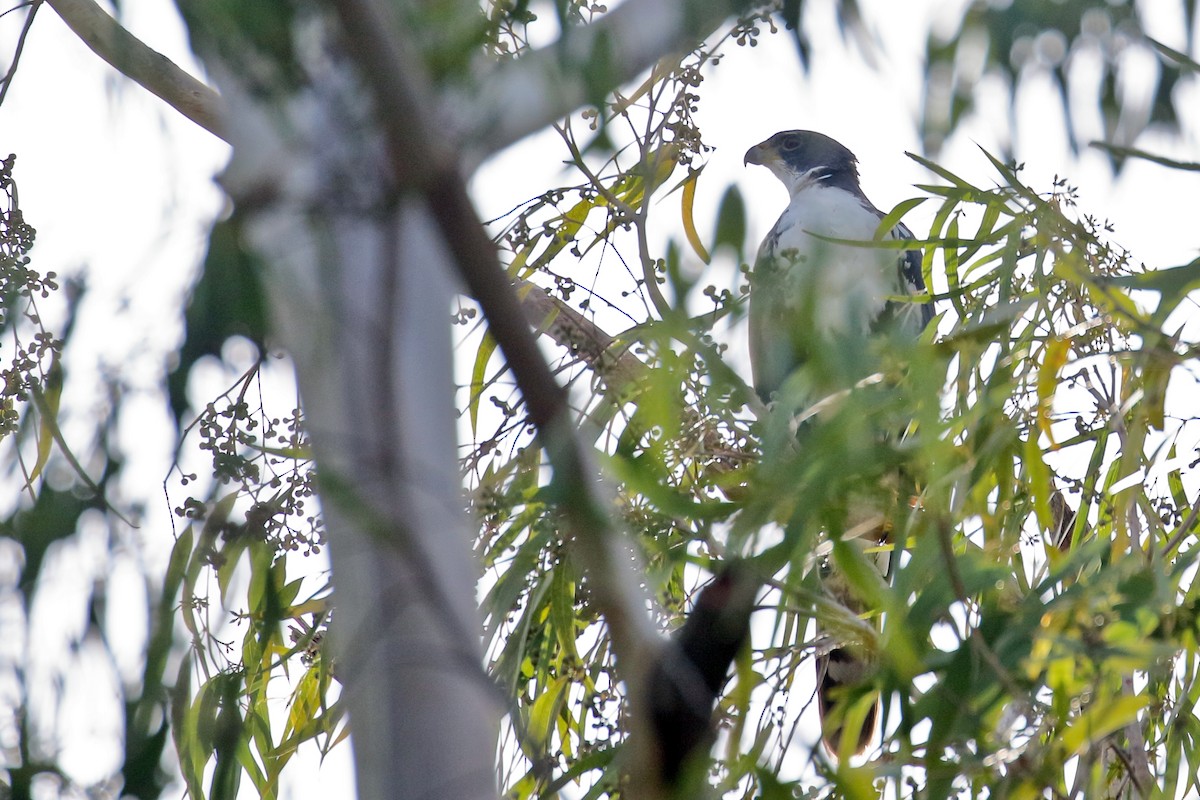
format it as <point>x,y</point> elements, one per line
<point>802,158</point>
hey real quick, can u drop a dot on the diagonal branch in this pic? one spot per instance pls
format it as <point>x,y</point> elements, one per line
<point>621,372</point>
<point>142,64</point>
<point>613,362</point>
<point>521,96</point>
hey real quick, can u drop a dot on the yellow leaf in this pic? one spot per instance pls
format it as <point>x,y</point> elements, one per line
<point>305,703</point>
<point>317,605</point>
<point>48,423</point>
<point>1039,482</point>
<point>478,377</point>
<point>544,710</point>
<point>689,222</point>
<point>1047,382</point>
<point>1099,720</point>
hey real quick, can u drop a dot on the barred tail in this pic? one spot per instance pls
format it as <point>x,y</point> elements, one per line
<point>838,671</point>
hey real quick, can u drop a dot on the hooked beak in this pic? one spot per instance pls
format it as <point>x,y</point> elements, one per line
<point>757,154</point>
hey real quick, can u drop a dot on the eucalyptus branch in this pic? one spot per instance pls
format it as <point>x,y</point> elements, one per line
<point>527,94</point>
<point>145,66</point>
<point>600,351</point>
<point>621,371</point>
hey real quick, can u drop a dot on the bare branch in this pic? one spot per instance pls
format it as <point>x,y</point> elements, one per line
<point>527,94</point>
<point>145,66</point>
<point>613,363</point>
<point>621,372</point>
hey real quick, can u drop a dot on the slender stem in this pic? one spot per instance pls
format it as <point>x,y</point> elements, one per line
<point>978,643</point>
<point>7,80</point>
<point>1136,761</point>
<point>1185,529</point>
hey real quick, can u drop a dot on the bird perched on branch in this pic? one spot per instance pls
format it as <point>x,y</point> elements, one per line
<point>816,301</point>
<point>809,289</point>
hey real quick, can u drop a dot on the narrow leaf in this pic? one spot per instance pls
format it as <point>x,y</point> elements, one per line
<point>478,375</point>
<point>687,207</point>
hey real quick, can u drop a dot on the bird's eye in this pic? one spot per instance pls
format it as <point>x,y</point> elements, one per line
<point>790,142</point>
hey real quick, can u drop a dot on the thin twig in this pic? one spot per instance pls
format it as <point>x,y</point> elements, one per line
<point>1184,529</point>
<point>977,641</point>
<point>12,68</point>
<point>568,137</point>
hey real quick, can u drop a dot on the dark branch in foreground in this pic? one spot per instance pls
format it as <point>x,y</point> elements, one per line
<point>689,676</point>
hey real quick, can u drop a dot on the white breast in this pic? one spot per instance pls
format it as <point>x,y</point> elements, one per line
<point>851,284</point>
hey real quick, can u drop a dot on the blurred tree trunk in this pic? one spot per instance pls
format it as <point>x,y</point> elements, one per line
<point>361,294</point>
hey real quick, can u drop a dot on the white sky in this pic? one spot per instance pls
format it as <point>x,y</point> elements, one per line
<point>120,187</point>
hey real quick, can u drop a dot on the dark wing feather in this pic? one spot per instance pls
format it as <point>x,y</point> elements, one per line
<point>909,280</point>
<point>910,272</point>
